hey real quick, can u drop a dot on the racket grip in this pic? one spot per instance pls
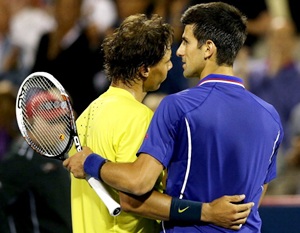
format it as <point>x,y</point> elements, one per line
<point>113,207</point>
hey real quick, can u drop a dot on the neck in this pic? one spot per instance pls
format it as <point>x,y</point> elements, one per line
<point>224,70</point>
<point>136,89</point>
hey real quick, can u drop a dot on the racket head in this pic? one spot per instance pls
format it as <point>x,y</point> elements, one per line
<point>45,115</point>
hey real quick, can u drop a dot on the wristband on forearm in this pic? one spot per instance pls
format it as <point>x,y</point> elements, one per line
<point>93,164</point>
<point>185,210</point>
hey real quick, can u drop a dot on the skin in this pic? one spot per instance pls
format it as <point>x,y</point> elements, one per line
<point>138,178</point>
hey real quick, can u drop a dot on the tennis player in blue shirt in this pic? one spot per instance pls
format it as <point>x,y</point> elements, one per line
<point>214,139</point>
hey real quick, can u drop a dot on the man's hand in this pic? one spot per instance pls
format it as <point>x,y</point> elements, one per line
<point>75,163</point>
<point>225,212</point>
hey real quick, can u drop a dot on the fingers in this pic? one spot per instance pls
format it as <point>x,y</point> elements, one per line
<point>66,162</point>
<point>236,227</point>
<point>245,207</point>
<point>86,150</point>
<point>236,198</point>
<point>74,165</point>
<point>241,216</point>
<point>242,211</point>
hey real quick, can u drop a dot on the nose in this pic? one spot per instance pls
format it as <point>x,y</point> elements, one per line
<point>179,51</point>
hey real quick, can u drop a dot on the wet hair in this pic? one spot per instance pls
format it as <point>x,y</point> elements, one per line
<point>220,22</point>
<point>138,42</point>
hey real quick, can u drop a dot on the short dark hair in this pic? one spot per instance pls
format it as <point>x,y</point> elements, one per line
<point>139,41</point>
<point>220,22</point>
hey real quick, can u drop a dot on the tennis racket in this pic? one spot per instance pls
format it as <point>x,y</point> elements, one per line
<point>46,121</point>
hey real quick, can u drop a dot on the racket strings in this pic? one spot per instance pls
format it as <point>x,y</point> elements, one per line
<point>46,117</point>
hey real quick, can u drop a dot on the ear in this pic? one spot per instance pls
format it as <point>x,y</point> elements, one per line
<point>210,49</point>
<point>144,71</point>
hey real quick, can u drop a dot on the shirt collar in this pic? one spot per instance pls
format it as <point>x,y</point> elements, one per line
<point>221,79</point>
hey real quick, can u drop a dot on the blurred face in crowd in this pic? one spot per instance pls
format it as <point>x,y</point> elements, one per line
<point>4,17</point>
<point>281,36</point>
<point>130,7</point>
<point>67,12</point>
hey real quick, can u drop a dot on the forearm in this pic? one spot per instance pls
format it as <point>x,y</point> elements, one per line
<point>153,205</point>
<point>124,177</point>
<point>137,178</point>
<point>156,205</point>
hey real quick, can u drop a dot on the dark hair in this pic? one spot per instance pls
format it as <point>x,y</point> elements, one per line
<point>138,41</point>
<point>222,23</point>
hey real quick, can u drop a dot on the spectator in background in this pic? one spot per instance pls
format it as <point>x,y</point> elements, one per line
<point>294,13</point>
<point>100,13</point>
<point>70,55</point>
<point>130,7</point>
<point>27,25</point>
<point>276,77</point>
<point>34,192</point>
<point>100,17</point>
<point>8,67</point>
<point>287,182</point>
<point>5,42</point>
<point>8,126</point>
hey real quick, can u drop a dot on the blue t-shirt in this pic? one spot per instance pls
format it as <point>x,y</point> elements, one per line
<point>215,139</point>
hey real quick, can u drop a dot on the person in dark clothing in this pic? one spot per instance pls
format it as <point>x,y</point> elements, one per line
<point>34,192</point>
<point>69,54</point>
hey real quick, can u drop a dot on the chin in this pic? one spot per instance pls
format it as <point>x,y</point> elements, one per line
<point>189,75</point>
<point>154,88</point>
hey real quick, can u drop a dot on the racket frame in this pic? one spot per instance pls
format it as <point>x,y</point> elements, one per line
<point>113,207</point>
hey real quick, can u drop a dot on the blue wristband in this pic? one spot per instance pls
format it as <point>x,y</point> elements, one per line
<point>93,164</point>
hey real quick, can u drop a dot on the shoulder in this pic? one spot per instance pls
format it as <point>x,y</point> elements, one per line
<point>187,99</point>
<point>267,107</point>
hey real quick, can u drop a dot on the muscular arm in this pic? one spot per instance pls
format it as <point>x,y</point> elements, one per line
<point>137,178</point>
<point>221,212</point>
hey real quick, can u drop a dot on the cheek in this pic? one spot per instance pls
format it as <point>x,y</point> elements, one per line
<point>159,74</point>
<point>164,72</point>
<point>195,56</point>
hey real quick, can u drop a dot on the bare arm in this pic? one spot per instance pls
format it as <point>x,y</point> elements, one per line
<point>137,178</point>
<point>221,212</point>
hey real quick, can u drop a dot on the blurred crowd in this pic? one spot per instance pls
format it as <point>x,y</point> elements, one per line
<point>63,37</point>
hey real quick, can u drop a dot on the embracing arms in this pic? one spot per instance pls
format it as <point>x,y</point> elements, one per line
<point>136,181</point>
